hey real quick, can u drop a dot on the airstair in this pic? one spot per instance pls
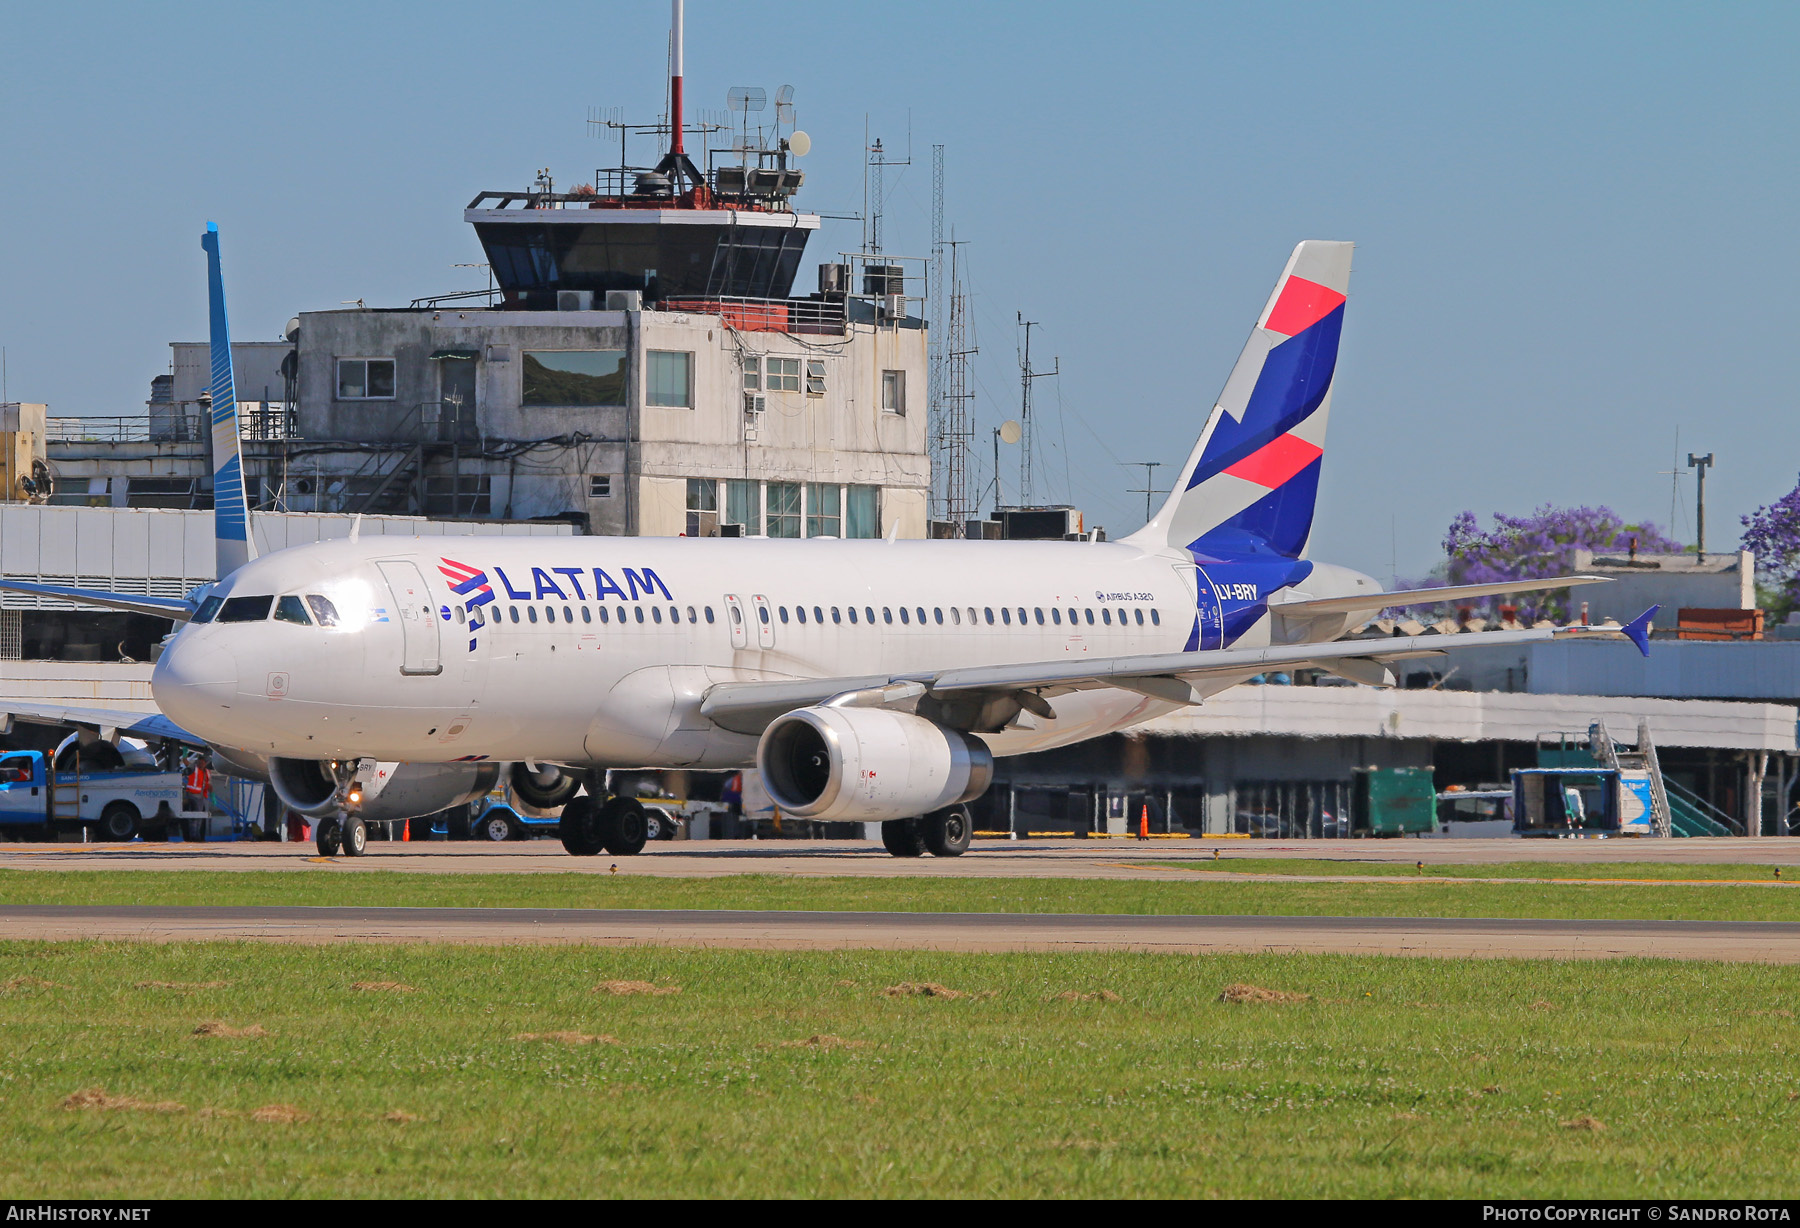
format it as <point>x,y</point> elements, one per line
<point>1675,809</point>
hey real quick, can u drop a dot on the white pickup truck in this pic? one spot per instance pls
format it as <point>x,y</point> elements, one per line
<point>37,799</point>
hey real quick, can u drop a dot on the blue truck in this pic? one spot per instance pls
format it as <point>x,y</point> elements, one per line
<point>38,799</point>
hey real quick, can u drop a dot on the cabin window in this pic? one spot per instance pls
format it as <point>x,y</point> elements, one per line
<point>549,613</point>
<point>1090,617</point>
<point>568,615</point>
<point>955,616</point>
<point>531,612</point>
<point>921,616</point>
<point>573,377</point>
<point>513,611</point>
<point>868,615</point>
<point>838,618</point>
<point>246,609</point>
<point>691,617</point>
<point>459,616</point>
<point>762,614</point>
<point>1155,617</point>
<point>1140,617</point>
<point>1022,616</point>
<point>971,616</point>
<point>987,612</point>
<point>587,614</point>
<point>818,615</point>
<point>640,613</point>
<point>1055,616</point>
<point>887,615</point>
<point>656,614</point>
<point>1006,615</point>
<point>603,614</point>
<point>365,379</point>
<point>903,617</point>
<point>800,613</point>
<point>783,613</point>
<point>292,610</point>
<point>324,613</point>
<point>709,616</point>
<point>671,379</point>
<point>1040,615</point>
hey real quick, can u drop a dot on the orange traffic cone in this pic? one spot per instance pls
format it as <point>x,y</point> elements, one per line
<point>1144,822</point>
<point>406,831</point>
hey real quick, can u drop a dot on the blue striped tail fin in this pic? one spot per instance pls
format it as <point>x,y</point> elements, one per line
<point>232,543</point>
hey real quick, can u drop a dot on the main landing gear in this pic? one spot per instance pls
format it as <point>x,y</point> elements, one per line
<point>620,826</point>
<point>942,833</point>
<point>346,832</point>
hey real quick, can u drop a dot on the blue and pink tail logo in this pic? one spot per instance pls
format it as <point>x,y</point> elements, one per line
<point>471,584</point>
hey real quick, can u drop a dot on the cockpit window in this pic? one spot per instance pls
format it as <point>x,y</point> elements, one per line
<point>292,610</point>
<point>246,609</point>
<point>322,609</point>
<point>207,609</point>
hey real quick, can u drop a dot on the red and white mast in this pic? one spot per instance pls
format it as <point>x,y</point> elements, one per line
<point>675,146</point>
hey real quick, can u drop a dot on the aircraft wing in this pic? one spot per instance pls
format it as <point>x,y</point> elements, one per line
<point>131,724</point>
<point>748,707</point>
<point>177,608</point>
<point>1426,596</point>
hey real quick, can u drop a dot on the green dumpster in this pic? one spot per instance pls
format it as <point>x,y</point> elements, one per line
<point>1392,801</point>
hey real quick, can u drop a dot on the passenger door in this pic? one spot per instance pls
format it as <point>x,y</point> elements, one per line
<point>418,623</point>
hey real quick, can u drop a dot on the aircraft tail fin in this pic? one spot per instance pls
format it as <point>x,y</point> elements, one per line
<point>232,543</point>
<point>1251,483</point>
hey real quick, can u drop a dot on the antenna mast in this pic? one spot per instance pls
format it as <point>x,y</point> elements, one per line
<point>1026,376</point>
<point>675,72</point>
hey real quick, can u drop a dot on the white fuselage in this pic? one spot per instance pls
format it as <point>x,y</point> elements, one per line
<point>594,650</point>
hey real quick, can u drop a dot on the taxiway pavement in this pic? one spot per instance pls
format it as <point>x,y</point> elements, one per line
<point>1762,942</point>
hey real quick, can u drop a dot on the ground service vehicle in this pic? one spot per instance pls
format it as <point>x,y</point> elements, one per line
<point>37,799</point>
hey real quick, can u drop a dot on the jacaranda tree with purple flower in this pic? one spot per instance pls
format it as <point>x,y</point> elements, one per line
<point>1540,545</point>
<point>1772,533</point>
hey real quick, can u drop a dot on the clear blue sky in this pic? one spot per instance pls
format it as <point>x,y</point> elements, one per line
<point>1575,222</point>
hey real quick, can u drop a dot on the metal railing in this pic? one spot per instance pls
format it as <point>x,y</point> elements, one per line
<point>766,315</point>
<point>173,423</point>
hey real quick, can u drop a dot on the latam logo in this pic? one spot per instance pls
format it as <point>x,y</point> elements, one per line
<point>472,584</point>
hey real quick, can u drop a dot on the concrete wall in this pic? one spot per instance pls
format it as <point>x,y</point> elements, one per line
<point>1720,581</point>
<point>842,436</point>
<point>255,369</point>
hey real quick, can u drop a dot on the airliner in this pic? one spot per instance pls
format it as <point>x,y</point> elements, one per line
<point>877,681</point>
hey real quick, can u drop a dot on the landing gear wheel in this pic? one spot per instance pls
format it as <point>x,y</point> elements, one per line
<point>947,831</point>
<point>623,827</point>
<point>903,837</point>
<point>118,822</point>
<point>495,826</point>
<point>356,836</point>
<point>328,836</point>
<point>579,827</point>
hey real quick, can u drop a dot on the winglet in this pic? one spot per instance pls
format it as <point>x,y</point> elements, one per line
<point>1638,629</point>
<point>233,546</point>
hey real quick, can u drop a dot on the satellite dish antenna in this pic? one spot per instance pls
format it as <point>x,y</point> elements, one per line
<point>799,144</point>
<point>1010,432</point>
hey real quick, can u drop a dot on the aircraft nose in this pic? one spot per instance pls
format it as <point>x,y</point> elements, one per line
<point>194,683</point>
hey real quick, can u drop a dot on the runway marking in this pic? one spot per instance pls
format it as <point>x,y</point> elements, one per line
<point>1258,876</point>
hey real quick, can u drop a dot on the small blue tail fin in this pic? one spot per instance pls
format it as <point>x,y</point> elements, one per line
<point>1251,482</point>
<point>232,544</point>
<point>1638,629</point>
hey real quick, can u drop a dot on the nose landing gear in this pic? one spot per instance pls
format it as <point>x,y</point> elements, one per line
<point>345,832</point>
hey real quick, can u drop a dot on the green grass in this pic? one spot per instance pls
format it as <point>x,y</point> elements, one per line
<point>1400,1078</point>
<point>1575,871</point>
<point>1183,893</point>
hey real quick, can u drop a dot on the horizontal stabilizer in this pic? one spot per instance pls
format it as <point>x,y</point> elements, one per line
<point>1426,596</point>
<point>177,608</point>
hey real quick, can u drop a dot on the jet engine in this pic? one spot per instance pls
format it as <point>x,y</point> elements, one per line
<point>391,790</point>
<point>869,764</point>
<point>544,785</point>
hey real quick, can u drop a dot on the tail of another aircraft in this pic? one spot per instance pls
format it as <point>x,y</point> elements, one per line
<point>1250,486</point>
<point>232,543</point>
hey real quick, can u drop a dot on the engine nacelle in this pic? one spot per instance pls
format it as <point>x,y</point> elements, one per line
<point>869,764</point>
<point>544,785</point>
<point>393,791</point>
<point>305,786</point>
